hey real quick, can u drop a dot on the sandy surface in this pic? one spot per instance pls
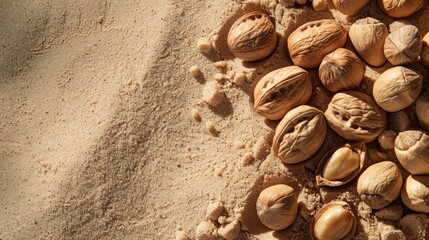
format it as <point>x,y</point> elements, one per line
<point>97,139</point>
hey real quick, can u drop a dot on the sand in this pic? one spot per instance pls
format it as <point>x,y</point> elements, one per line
<point>103,134</point>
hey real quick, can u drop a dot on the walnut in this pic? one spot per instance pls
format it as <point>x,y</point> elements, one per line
<point>311,42</point>
<point>355,116</point>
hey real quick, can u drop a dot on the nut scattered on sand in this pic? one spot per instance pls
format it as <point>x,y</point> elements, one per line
<point>387,139</point>
<point>248,159</point>
<point>196,114</point>
<point>415,226</point>
<point>287,3</point>
<point>206,230</point>
<point>214,210</point>
<point>195,70</point>
<point>181,235</point>
<point>221,64</point>
<point>230,231</point>
<point>212,94</point>
<point>390,213</point>
<point>211,128</point>
<point>204,45</point>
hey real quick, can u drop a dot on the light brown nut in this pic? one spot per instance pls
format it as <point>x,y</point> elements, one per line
<point>349,7</point>
<point>367,36</point>
<point>252,37</point>
<point>355,116</point>
<point>310,43</point>
<point>403,46</point>
<point>341,165</point>
<point>334,220</point>
<point>400,8</point>
<point>415,193</point>
<point>424,55</point>
<point>277,206</point>
<point>281,90</point>
<point>380,184</point>
<point>299,135</point>
<point>422,106</point>
<point>412,151</point>
<point>387,139</point>
<point>341,70</point>
<point>397,88</point>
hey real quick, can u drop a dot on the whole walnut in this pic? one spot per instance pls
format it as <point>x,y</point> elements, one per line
<point>403,46</point>
<point>311,42</point>
<point>397,88</point>
<point>400,8</point>
<point>252,37</point>
<point>349,7</point>
<point>341,70</point>
<point>355,116</point>
<point>367,36</point>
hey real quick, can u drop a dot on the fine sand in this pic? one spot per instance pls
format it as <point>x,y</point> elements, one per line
<point>103,134</point>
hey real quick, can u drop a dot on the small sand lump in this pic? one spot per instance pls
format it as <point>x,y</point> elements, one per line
<point>206,230</point>
<point>214,210</point>
<point>212,94</point>
<point>195,70</point>
<point>204,45</point>
<point>230,231</point>
<point>181,235</point>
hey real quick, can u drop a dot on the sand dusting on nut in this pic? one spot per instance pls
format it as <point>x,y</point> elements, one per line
<point>104,133</point>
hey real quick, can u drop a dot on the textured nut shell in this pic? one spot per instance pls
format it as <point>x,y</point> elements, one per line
<point>397,88</point>
<point>424,55</point>
<point>281,90</point>
<point>422,106</point>
<point>412,151</point>
<point>326,207</point>
<point>349,7</point>
<point>277,206</point>
<point>312,41</point>
<point>359,148</point>
<point>415,193</point>
<point>299,135</point>
<point>252,37</point>
<point>400,8</point>
<point>355,116</point>
<point>341,70</point>
<point>403,46</point>
<point>367,36</point>
<point>380,184</point>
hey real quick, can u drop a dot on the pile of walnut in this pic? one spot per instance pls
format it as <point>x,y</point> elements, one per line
<point>355,116</point>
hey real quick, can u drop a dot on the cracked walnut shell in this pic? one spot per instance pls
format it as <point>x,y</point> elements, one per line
<point>397,88</point>
<point>311,42</point>
<point>281,90</point>
<point>299,135</point>
<point>355,116</point>
<point>341,165</point>
<point>380,184</point>
<point>252,37</point>
<point>334,220</point>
